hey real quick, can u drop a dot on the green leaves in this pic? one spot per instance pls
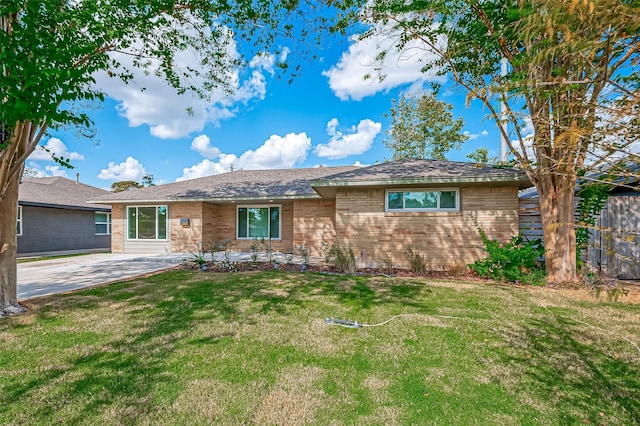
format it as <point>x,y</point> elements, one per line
<point>51,49</point>
<point>571,94</point>
<point>516,260</point>
<point>423,127</point>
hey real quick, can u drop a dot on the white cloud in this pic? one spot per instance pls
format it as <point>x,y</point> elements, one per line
<point>56,147</point>
<point>276,153</point>
<point>265,61</point>
<point>284,54</point>
<point>357,141</point>
<point>202,169</point>
<point>471,136</point>
<point>57,171</point>
<point>36,171</point>
<point>130,169</point>
<point>202,145</point>
<point>171,115</point>
<point>359,71</point>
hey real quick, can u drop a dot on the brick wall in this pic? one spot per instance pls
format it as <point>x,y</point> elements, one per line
<point>185,239</point>
<point>314,221</point>
<point>444,238</point>
<point>219,224</point>
<point>117,228</point>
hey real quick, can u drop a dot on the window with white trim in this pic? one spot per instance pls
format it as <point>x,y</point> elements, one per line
<point>421,200</point>
<point>147,222</point>
<point>258,222</point>
<point>103,223</point>
<point>19,223</point>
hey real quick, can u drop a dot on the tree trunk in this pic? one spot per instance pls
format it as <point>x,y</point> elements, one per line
<point>558,229</point>
<point>9,250</point>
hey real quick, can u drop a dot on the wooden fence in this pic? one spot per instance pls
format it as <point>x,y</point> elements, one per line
<point>613,247</point>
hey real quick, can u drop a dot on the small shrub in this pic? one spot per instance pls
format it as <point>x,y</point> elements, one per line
<point>304,253</point>
<point>222,246</point>
<point>269,250</point>
<point>417,263</point>
<point>327,250</point>
<point>253,249</point>
<point>199,257</point>
<point>227,265</point>
<point>458,268</point>
<point>516,260</point>
<point>387,264</point>
<point>344,259</point>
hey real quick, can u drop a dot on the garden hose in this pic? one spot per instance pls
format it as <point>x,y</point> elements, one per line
<point>356,324</point>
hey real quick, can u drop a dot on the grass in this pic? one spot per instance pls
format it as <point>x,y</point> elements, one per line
<point>253,348</point>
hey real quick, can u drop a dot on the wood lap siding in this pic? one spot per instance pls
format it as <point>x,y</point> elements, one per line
<point>530,223</point>
<point>612,248</point>
<point>613,244</point>
<point>444,238</point>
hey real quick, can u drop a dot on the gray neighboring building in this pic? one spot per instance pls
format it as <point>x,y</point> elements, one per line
<point>54,216</point>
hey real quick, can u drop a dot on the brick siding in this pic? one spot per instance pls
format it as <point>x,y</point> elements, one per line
<point>117,228</point>
<point>444,238</point>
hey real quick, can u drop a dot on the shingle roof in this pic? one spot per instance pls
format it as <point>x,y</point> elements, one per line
<point>413,171</point>
<point>59,192</point>
<point>237,185</point>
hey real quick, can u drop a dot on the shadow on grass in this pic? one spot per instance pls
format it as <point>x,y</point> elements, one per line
<point>581,382</point>
<point>124,370</point>
<point>120,373</point>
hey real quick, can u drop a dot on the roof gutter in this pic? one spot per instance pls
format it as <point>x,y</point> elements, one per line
<point>63,206</point>
<point>421,181</point>
<point>212,199</point>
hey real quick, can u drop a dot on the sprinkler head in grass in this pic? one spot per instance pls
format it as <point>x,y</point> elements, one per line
<point>343,323</point>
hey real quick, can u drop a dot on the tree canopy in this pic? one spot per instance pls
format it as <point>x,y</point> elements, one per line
<point>52,50</point>
<point>125,185</point>
<point>423,127</point>
<point>148,180</point>
<point>571,90</point>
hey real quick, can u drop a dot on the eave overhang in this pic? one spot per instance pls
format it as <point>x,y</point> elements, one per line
<point>327,188</point>
<point>217,200</point>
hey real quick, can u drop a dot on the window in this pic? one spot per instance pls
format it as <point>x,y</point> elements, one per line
<point>259,222</point>
<point>147,223</point>
<point>422,200</point>
<point>19,224</point>
<point>103,223</point>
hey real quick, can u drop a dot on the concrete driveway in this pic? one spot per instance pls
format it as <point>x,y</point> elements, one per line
<point>43,277</point>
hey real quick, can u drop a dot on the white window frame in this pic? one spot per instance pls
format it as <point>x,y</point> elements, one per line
<point>108,223</point>
<point>19,222</point>
<point>157,229</point>
<point>437,209</point>
<point>259,206</point>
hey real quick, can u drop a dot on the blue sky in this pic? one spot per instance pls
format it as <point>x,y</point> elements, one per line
<point>329,115</point>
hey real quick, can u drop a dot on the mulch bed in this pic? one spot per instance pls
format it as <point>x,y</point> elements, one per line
<point>631,295</point>
<point>221,267</point>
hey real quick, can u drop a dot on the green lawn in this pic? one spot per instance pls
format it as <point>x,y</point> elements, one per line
<point>253,348</point>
